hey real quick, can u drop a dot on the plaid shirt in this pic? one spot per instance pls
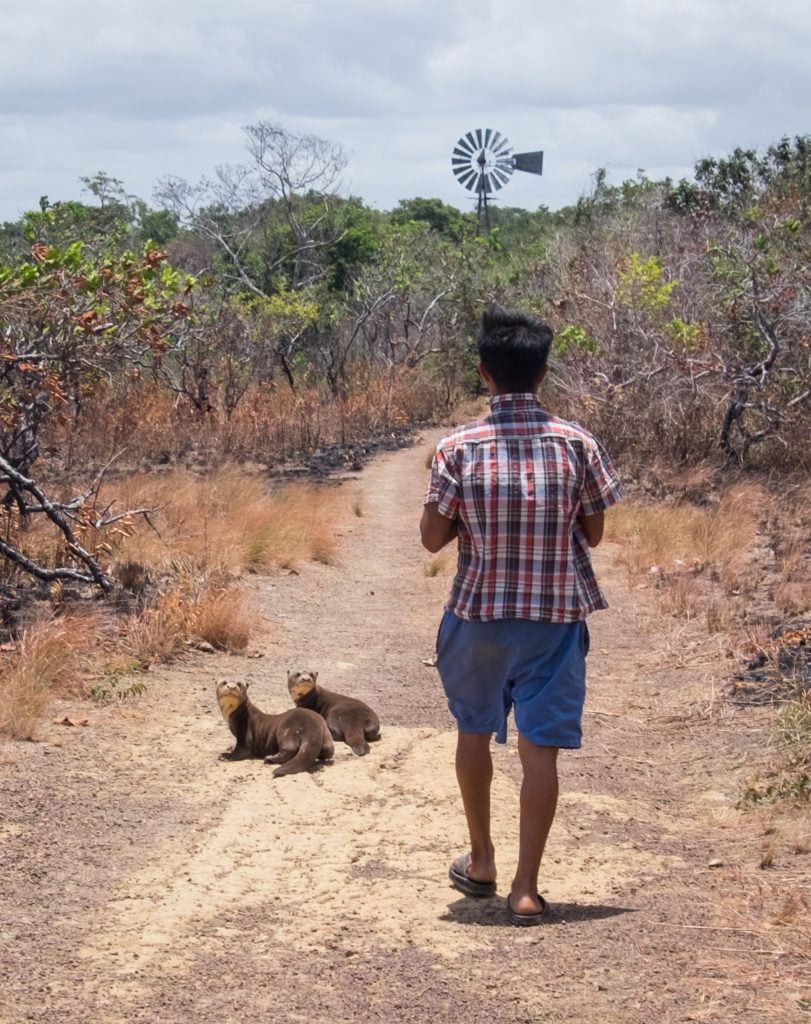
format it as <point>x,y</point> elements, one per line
<point>516,482</point>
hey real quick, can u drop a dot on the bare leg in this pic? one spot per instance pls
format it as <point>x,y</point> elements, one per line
<point>539,798</point>
<point>474,772</point>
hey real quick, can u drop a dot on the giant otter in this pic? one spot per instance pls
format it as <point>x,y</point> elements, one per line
<point>294,740</point>
<point>347,719</point>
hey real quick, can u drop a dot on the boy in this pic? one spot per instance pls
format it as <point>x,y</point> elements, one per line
<point>525,493</point>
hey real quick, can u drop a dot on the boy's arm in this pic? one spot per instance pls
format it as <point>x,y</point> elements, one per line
<point>601,488</point>
<point>439,524</point>
<point>592,527</point>
<point>436,530</point>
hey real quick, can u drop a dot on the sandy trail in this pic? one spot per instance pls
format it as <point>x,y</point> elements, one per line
<point>143,880</point>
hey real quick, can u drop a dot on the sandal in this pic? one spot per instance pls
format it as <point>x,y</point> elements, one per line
<point>464,883</point>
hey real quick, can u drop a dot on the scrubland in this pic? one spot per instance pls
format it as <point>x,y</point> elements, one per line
<point>158,366</point>
<point>739,564</point>
<point>179,573</point>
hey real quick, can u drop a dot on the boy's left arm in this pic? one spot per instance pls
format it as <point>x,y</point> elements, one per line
<point>601,488</point>
<point>592,527</point>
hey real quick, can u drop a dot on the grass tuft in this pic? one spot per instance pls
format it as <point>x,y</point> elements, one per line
<point>435,566</point>
<point>195,609</point>
<point>48,663</point>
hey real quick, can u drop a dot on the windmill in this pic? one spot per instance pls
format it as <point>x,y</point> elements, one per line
<point>483,162</point>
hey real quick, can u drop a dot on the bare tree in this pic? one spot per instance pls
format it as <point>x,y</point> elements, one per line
<point>243,207</point>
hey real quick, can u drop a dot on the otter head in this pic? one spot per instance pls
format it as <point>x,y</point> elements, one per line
<point>301,685</point>
<point>230,696</point>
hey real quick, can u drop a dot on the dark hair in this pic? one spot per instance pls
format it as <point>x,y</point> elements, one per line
<point>513,347</point>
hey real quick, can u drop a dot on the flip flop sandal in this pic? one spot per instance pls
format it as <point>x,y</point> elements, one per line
<point>469,886</point>
<point>527,920</point>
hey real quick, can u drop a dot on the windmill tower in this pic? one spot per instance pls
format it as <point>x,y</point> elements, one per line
<point>483,162</point>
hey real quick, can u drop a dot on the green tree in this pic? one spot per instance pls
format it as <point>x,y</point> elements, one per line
<point>69,320</point>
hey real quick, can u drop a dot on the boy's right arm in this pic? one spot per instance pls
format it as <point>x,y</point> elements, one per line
<point>436,530</point>
<point>440,523</point>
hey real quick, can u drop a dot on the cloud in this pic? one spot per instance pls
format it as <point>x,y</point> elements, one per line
<point>141,89</point>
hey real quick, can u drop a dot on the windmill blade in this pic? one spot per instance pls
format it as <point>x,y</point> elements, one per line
<point>479,142</point>
<point>468,179</point>
<point>502,146</point>
<point>532,163</point>
<point>461,170</point>
<point>500,177</point>
<point>463,148</point>
<point>469,137</point>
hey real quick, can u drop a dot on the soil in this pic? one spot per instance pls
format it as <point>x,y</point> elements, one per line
<point>144,880</point>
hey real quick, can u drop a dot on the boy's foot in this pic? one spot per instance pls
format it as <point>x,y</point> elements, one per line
<point>527,911</point>
<point>459,874</point>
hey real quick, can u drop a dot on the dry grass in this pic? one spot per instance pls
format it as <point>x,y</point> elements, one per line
<point>719,615</point>
<point>683,598</point>
<point>225,521</point>
<point>225,619</point>
<point>49,661</point>
<point>436,566</point>
<point>202,609</point>
<point>672,537</point>
<point>793,598</point>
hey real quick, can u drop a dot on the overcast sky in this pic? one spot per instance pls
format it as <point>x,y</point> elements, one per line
<point>154,87</point>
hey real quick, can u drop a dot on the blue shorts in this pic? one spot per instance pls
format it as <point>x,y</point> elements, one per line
<point>540,667</point>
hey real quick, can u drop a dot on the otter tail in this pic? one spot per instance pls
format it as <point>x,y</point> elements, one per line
<point>302,761</point>
<point>356,739</point>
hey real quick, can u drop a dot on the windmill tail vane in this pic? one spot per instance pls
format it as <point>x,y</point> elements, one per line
<point>483,162</point>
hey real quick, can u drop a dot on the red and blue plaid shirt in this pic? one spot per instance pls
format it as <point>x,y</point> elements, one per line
<point>516,483</point>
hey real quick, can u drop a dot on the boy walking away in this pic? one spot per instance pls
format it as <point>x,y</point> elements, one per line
<point>524,493</point>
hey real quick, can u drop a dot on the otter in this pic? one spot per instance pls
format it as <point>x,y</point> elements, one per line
<point>347,719</point>
<point>294,740</point>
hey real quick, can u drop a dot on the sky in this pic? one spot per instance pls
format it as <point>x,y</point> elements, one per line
<point>155,87</point>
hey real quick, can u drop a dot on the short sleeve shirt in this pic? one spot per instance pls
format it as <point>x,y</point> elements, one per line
<point>516,482</point>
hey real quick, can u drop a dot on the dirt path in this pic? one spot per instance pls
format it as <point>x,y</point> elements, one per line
<point>142,880</point>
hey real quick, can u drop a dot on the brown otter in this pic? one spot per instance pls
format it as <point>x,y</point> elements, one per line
<point>294,740</point>
<point>347,719</point>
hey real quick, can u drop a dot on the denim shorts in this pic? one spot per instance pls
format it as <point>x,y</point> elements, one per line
<point>486,668</point>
